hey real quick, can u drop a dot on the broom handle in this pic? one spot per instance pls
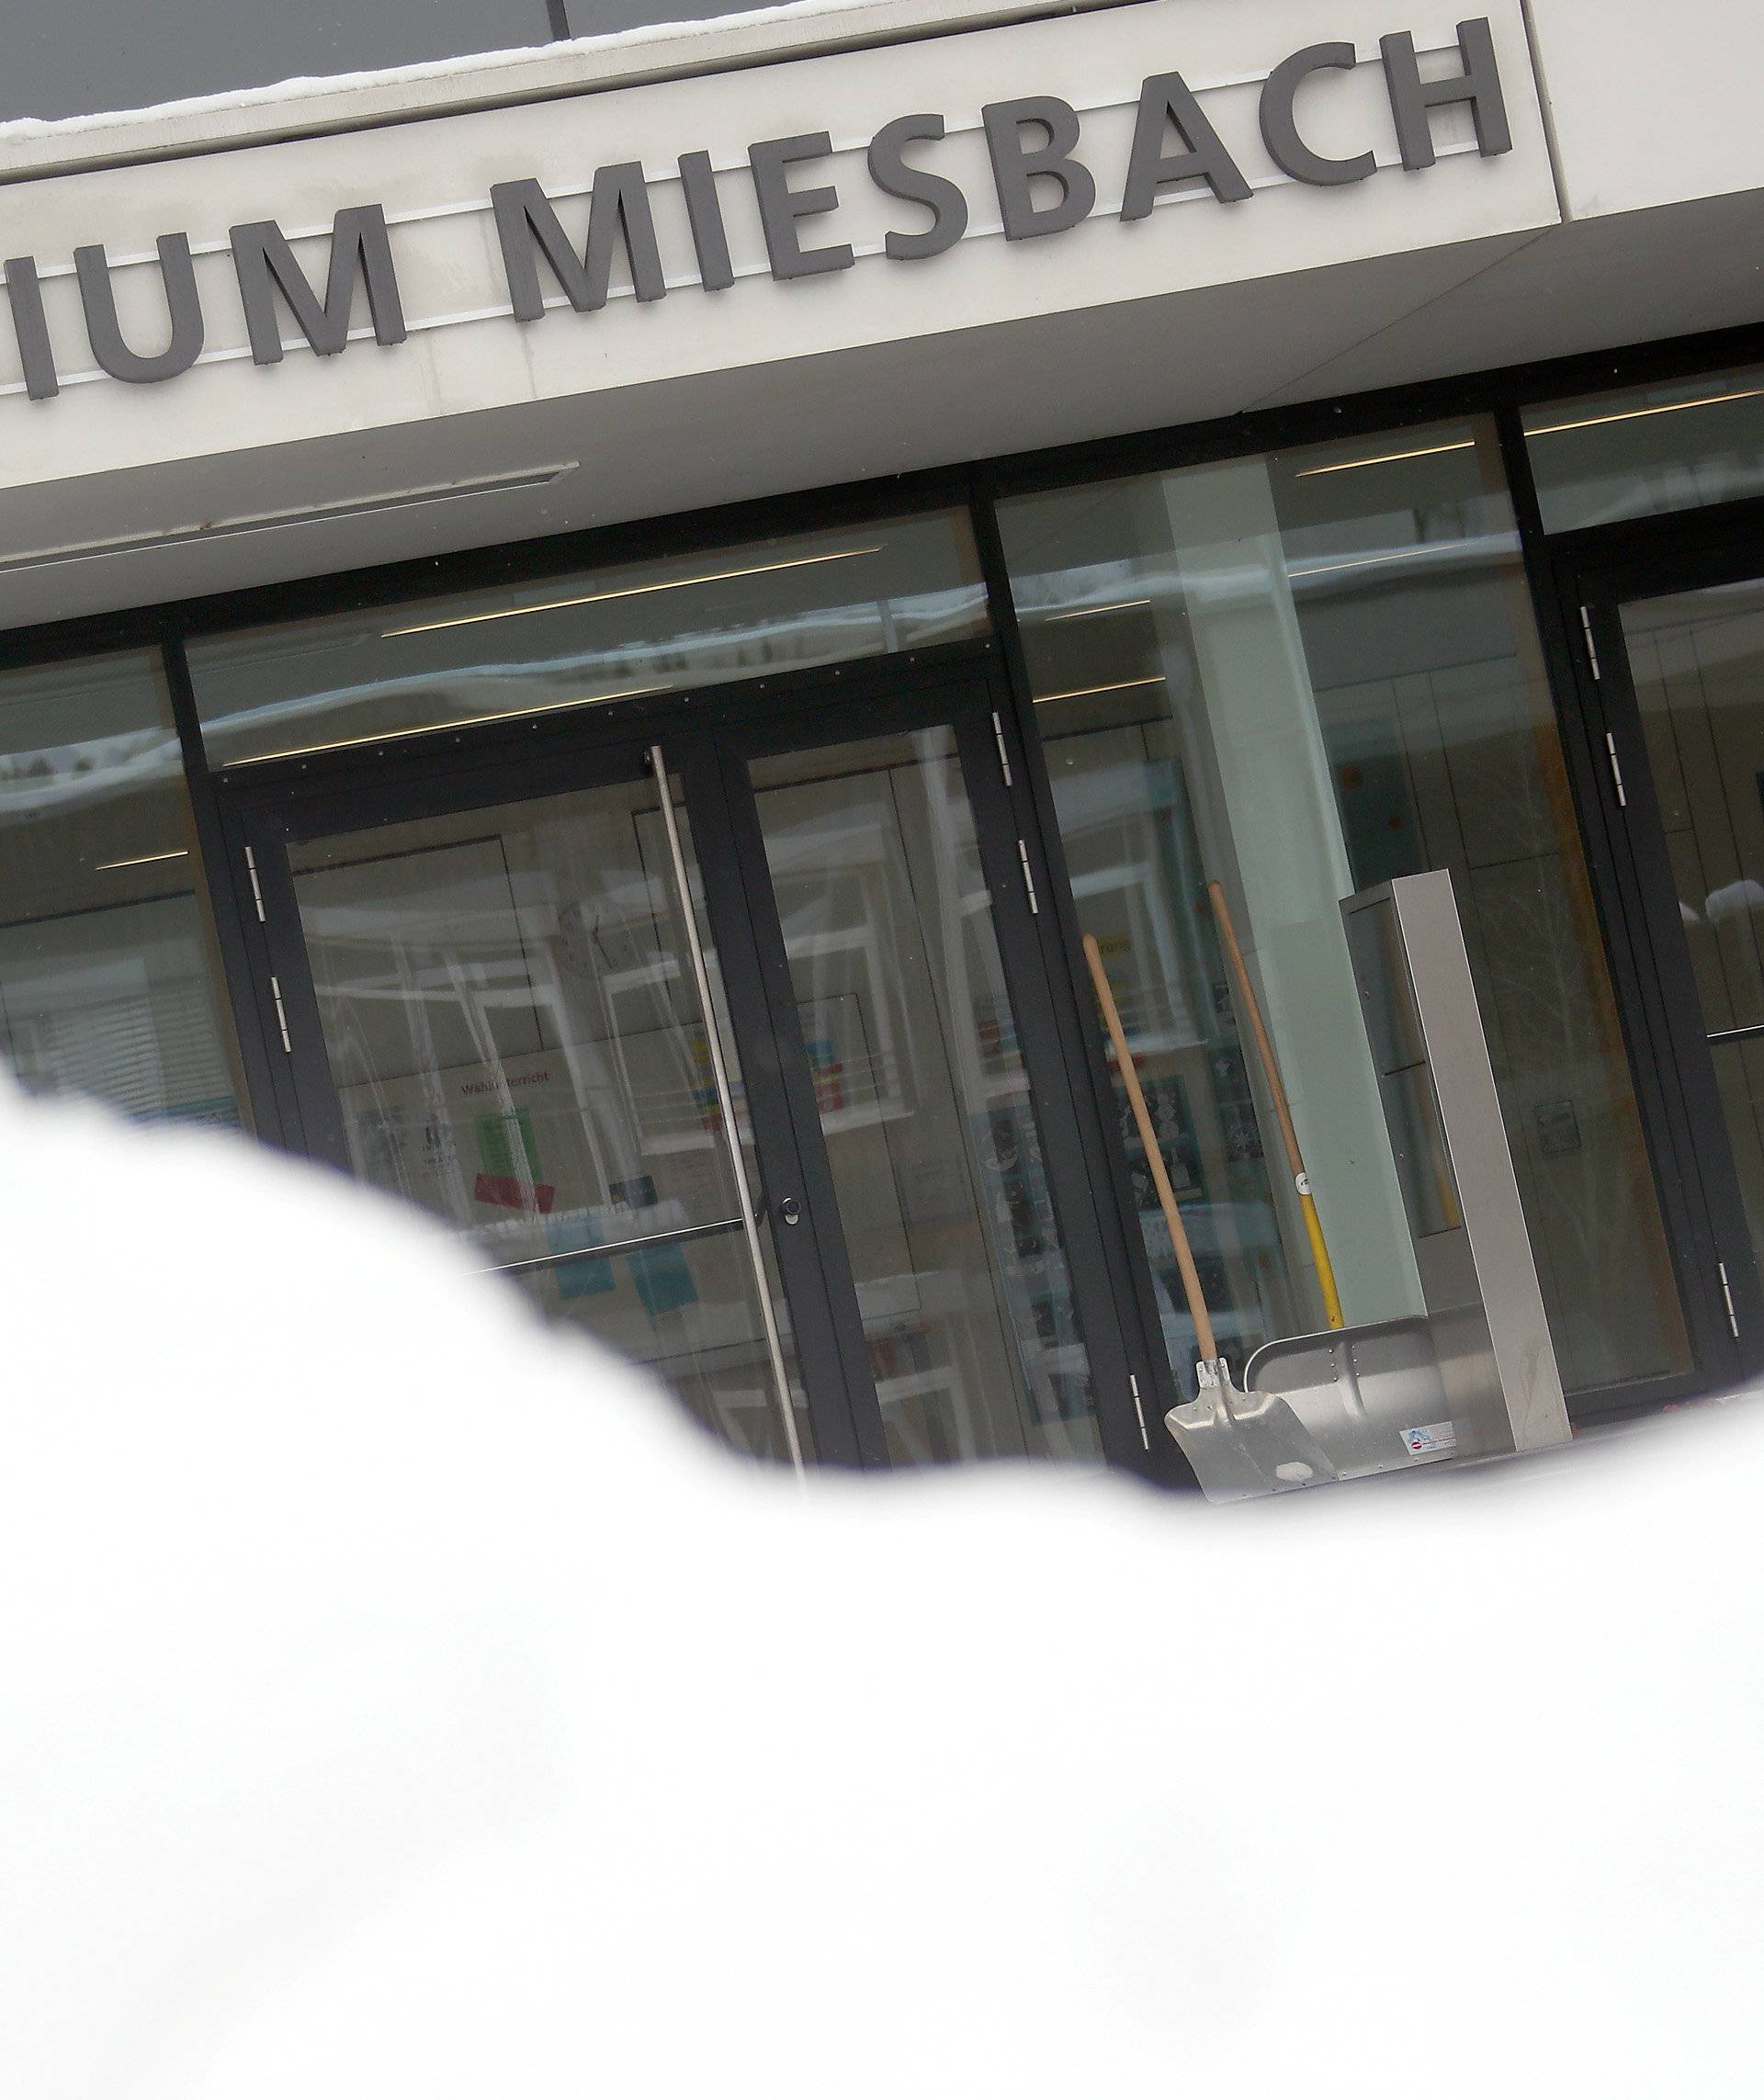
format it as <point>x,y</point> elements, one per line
<point>1282,1108</point>
<point>1203,1319</point>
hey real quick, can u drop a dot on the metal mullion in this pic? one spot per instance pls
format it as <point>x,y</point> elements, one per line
<point>1088,1085</point>
<point>1004,863</point>
<point>229,914</point>
<point>824,705</point>
<point>285,996</point>
<point>833,1354</point>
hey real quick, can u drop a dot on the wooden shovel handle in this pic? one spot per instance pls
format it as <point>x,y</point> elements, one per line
<point>1203,1319</point>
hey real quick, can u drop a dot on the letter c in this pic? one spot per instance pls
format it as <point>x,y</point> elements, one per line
<point>1280,128</point>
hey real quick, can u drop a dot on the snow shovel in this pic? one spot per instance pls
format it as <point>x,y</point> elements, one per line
<point>1238,1444</point>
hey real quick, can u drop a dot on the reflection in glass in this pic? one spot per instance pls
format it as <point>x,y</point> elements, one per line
<point>569,642</point>
<point>107,984</point>
<point>1648,450</point>
<point>1698,663</point>
<point>1300,676</point>
<point>509,1013</point>
<point>924,1101</point>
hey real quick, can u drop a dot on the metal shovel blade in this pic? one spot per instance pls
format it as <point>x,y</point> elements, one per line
<point>1242,1445</point>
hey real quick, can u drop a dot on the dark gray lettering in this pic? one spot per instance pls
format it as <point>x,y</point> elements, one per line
<point>183,305</point>
<point>1166,100</point>
<point>1014,170</point>
<point>527,227</point>
<point>781,206</point>
<point>709,236</point>
<point>31,328</point>
<point>1280,124</point>
<point>1413,99</point>
<point>892,173</point>
<point>265,264</point>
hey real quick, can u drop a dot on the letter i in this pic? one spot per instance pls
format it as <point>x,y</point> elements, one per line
<point>710,237</point>
<point>31,327</point>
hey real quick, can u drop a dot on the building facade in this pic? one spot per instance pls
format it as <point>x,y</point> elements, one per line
<point>611,636</point>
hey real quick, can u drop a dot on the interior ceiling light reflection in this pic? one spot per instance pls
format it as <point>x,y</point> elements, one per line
<point>629,591</point>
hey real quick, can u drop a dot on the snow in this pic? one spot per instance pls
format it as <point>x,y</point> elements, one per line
<point>402,1701</point>
<point>301,89</point>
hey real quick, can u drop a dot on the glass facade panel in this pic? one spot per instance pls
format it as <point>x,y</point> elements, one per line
<point>1649,449</point>
<point>567,642</point>
<point>1264,685</point>
<point>84,56</point>
<point>931,1135</point>
<point>107,985</point>
<point>510,1015</point>
<point>1698,663</point>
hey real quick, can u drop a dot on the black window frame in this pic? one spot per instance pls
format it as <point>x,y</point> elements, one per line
<point>1550,562</point>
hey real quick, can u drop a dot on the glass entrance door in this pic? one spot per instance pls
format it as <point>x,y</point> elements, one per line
<point>515,1041</point>
<point>757,1086</point>
<point>898,1004</point>
<point>1695,663</point>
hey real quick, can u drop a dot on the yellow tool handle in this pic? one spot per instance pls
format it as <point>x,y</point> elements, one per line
<point>1203,1319</point>
<point>1282,1108</point>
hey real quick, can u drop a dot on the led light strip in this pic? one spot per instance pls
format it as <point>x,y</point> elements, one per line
<point>1640,414</point>
<point>436,728</point>
<point>1084,692</point>
<point>1388,459</point>
<point>143,860</point>
<point>1095,611</point>
<point>632,591</point>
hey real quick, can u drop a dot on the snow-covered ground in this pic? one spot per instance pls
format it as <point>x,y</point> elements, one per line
<point>400,1702</point>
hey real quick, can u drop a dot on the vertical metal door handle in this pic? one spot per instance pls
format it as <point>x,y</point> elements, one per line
<point>726,1103</point>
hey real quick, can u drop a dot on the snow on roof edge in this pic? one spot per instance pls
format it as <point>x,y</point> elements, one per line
<point>18,130</point>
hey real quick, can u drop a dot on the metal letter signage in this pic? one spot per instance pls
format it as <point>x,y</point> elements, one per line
<point>1041,182</point>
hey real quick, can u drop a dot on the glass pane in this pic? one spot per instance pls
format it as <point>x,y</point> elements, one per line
<point>1293,678</point>
<point>1649,449</point>
<point>1698,663</point>
<point>84,56</point>
<point>573,641</point>
<point>924,1101</point>
<point>509,1010</point>
<point>107,985</point>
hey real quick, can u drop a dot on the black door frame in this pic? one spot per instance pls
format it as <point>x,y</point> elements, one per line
<point>706,738</point>
<point>1589,576</point>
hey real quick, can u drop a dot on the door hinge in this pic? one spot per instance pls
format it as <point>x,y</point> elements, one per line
<point>1727,1299</point>
<point>1616,771</point>
<point>256,887</point>
<point>1004,756</point>
<point>1139,1409</point>
<point>1592,646</point>
<point>1028,879</point>
<point>282,1015</point>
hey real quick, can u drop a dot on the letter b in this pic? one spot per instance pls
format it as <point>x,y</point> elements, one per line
<point>1014,170</point>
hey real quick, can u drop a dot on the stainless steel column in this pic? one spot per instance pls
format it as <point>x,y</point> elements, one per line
<point>726,1102</point>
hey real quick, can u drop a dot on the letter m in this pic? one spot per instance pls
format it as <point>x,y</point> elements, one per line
<point>528,228</point>
<point>266,264</point>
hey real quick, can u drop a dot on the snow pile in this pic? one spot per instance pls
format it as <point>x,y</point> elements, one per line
<point>400,1702</point>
